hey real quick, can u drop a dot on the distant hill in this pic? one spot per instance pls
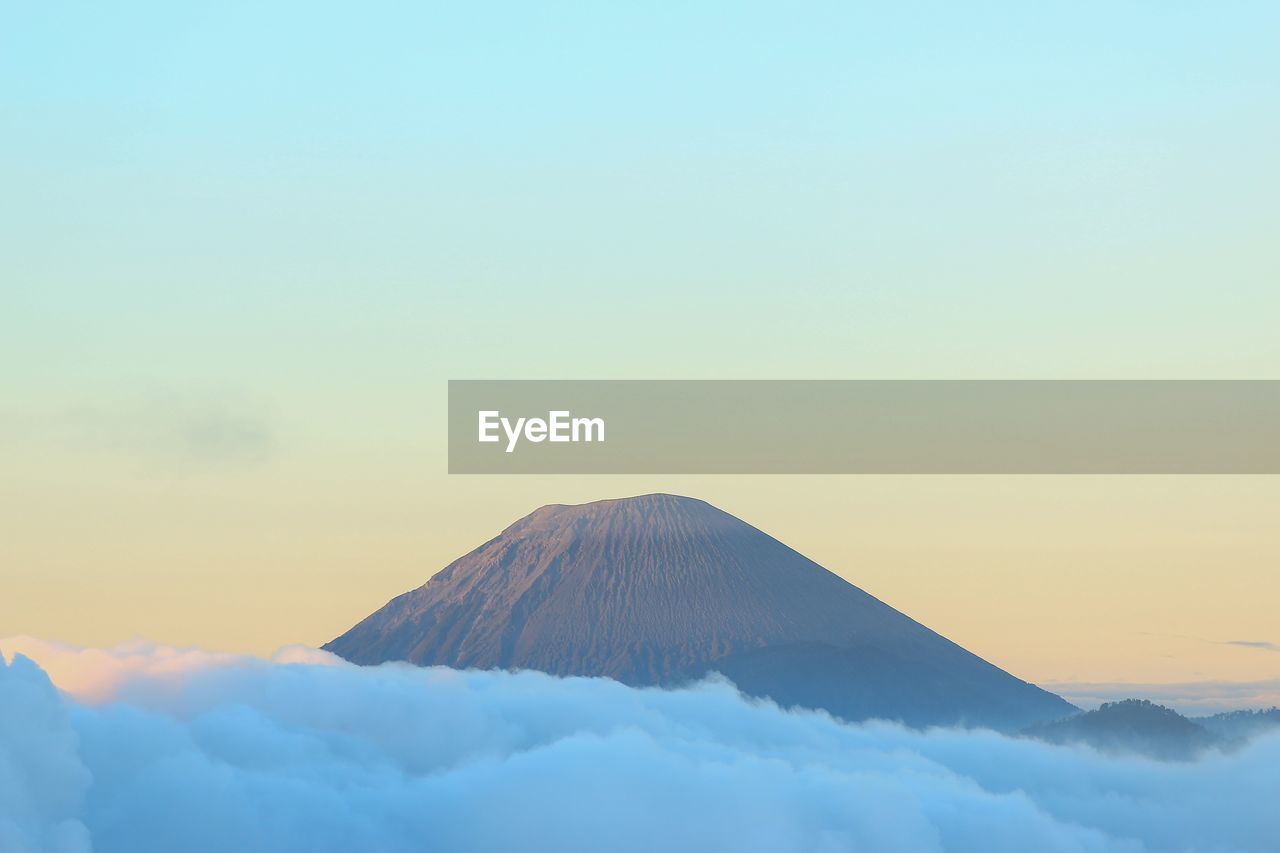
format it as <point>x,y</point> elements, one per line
<point>1132,725</point>
<point>661,590</point>
<point>1241,725</point>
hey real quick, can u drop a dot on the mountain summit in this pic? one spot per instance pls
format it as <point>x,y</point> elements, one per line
<point>660,590</point>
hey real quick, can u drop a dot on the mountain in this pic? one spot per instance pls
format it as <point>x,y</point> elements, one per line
<point>661,590</point>
<point>1241,725</point>
<point>1131,725</point>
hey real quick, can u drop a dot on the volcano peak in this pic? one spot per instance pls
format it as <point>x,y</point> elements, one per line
<point>660,589</point>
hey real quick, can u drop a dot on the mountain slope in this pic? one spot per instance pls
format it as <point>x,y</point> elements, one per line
<point>660,589</point>
<point>1131,725</point>
<point>1240,725</point>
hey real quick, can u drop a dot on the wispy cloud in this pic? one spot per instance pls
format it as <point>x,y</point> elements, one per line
<point>1254,644</point>
<point>1190,697</point>
<point>1265,645</point>
<point>170,428</point>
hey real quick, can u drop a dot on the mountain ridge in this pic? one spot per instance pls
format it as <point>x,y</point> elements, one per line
<point>661,589</point>
<point>1132,726</point>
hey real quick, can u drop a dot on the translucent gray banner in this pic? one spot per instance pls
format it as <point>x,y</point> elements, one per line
<point>863,427</point>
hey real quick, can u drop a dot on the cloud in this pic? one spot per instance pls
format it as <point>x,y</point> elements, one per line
<point>184,750</point>
<point>42,779</point>
<point>167,427</point>
<point>1254,644</point>
<point>1248,644</point>
<point>94,675</point>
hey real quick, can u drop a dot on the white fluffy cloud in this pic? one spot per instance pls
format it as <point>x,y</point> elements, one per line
<point>158,750</point>
<point>42,780</point>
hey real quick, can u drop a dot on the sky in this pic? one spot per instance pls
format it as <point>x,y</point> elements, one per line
<point>246,245</point>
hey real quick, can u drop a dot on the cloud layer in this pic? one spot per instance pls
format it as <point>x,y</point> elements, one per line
<point>151,749</point>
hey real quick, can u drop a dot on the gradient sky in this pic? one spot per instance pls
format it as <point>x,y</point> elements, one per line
<point>244,246</point>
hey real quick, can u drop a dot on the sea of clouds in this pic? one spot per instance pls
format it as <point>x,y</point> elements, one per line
<point>145,748</point>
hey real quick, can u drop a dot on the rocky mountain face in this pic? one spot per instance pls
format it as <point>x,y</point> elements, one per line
<point>661,590</point>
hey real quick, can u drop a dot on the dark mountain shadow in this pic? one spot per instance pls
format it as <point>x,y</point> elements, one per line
<point>1240,726</point>
<point>1134,726</point>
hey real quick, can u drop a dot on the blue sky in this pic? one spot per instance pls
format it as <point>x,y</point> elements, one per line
<point>825,190</point>
<point>245,244</point>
